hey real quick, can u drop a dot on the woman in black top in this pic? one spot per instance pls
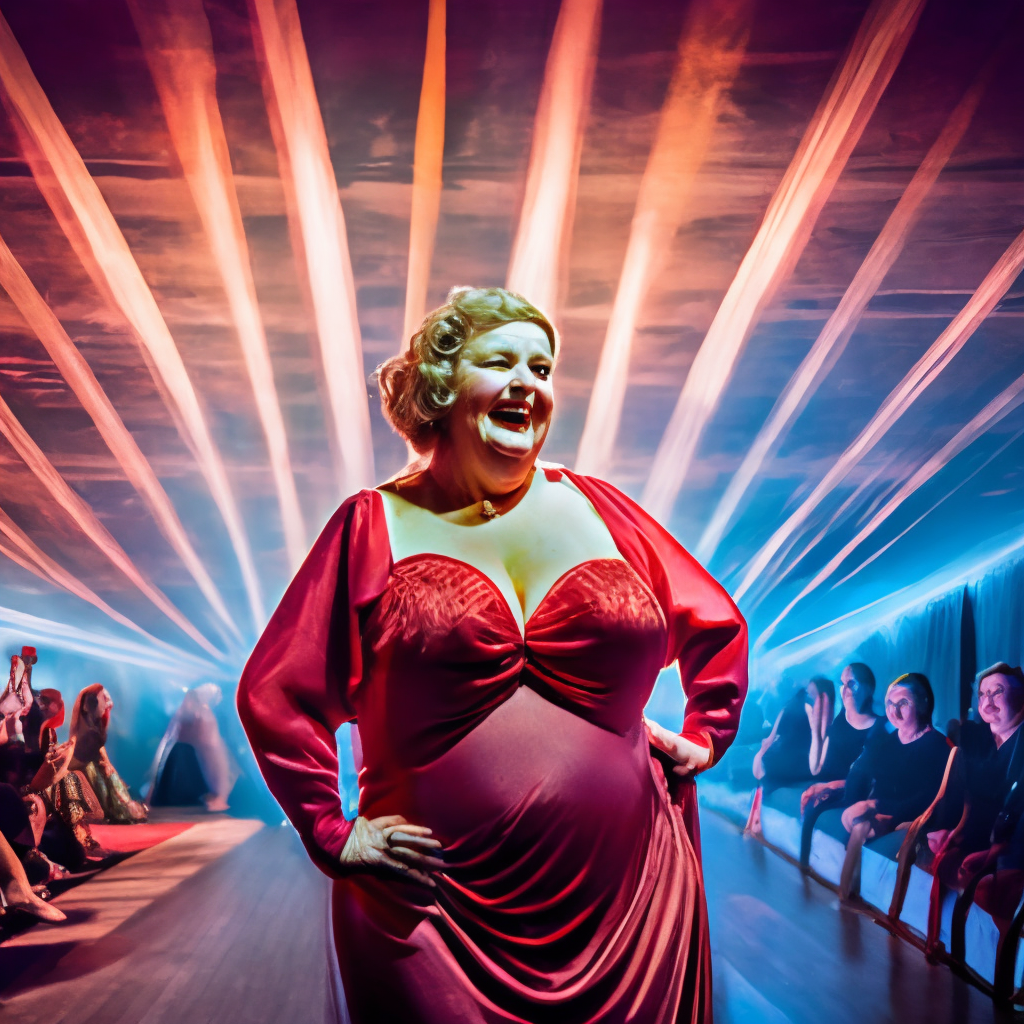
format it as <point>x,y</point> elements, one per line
<point>898,774</point>
<point>784,757</point>
<point>834,748</point>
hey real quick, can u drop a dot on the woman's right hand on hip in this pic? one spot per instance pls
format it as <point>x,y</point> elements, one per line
<point>392,843</point>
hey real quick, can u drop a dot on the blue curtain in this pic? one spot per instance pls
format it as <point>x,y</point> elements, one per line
<point>998,604</point>
<point>921,639</point>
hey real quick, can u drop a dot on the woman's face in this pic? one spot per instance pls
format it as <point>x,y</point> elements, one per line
<point>504,398</point>
<point>901,709</point>
<point>104,703</point>
<point>999,700</point>
<point>853,693</point>
<point>48,706</point>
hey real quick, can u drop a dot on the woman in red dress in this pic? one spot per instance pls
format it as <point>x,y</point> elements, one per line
<point>496,627</point>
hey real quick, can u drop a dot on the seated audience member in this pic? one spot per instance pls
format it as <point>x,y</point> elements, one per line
<point>993,834</point>
<point>68,799</point>
<point>16,704</point>
<point>833,754</point>
<point>898,774</point>
<point>18,896</point>
<point>784,757</point>
<point>90,719</point>
<point>192,762</point>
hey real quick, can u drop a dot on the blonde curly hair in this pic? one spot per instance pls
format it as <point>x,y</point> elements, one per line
<point>418,387</point>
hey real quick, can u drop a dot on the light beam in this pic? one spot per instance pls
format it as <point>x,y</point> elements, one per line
<point>427,167</point>
<point>75,370</point>
<point>319,225</point>
<point>833,132</point>
<point>536,267</point>
<point>710,51</point>
<point>900,399</point>
<point>83,215</point>
<point>1000,406</point>
<point>924,515</point>
<point>832,340</point>
<point>176,40</point>
<point>99,645</point>
<point>31,557</point>
<point>86,520</point>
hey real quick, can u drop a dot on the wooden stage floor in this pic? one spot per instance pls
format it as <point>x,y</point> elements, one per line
<point>227,923</point>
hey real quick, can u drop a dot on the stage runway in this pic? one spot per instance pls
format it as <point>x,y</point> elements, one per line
<point>229,926</point>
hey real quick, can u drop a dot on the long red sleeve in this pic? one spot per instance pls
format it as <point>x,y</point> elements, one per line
<point>707,635</point>
<point>297,687</point>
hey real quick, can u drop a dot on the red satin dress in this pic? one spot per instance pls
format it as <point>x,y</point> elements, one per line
<point>572,892</point>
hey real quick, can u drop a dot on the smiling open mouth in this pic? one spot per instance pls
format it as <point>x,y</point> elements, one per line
<point>513,416</point>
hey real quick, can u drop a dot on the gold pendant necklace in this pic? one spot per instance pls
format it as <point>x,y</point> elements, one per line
<point>487,510</point>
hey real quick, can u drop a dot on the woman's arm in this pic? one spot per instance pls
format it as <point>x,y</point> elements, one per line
<point>298,684</point>
<point>758,766</point>
<point>706,633</point>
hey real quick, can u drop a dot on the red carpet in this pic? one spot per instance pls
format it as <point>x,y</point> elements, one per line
<point>132,838</point>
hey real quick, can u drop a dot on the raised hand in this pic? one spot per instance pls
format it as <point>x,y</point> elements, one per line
<point>55,767</point>
<point>392,844</point>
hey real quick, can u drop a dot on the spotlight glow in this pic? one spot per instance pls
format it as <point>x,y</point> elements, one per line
<point>85,218</point>
<point>900,399</point>
<point>75,370</point>
<point>177,44</point>
<point>537,268</point>
<point>318,225</point>
<point>29,556</point>
<point>428,164</point>
<point>711,48</point>
<point>832,340</point>
<point>834,130</point>
<point>86,520</point>
<point>999,407</point>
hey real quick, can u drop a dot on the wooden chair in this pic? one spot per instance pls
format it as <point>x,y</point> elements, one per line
<point>753,825</point>
<point>952,790</point>
<point>849,878</point>
<point>1004,988</point>
<point>1004,985</point>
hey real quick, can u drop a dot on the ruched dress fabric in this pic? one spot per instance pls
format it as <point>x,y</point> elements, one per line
<point>572,889</point>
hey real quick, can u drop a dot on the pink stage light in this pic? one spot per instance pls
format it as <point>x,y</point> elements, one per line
<point>29,556</point>
<point>75,370</point>
<point>86,520</point>
<point>318,225</point>
<point>83,215</point>
<point>711,49</point>
<point>833,132</point>
<point>537,265</point>
<point>900,399</point>
<point>176,39</point>
<point>1000,406</point>
<point>832,340</point>
<point>427,168</point>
